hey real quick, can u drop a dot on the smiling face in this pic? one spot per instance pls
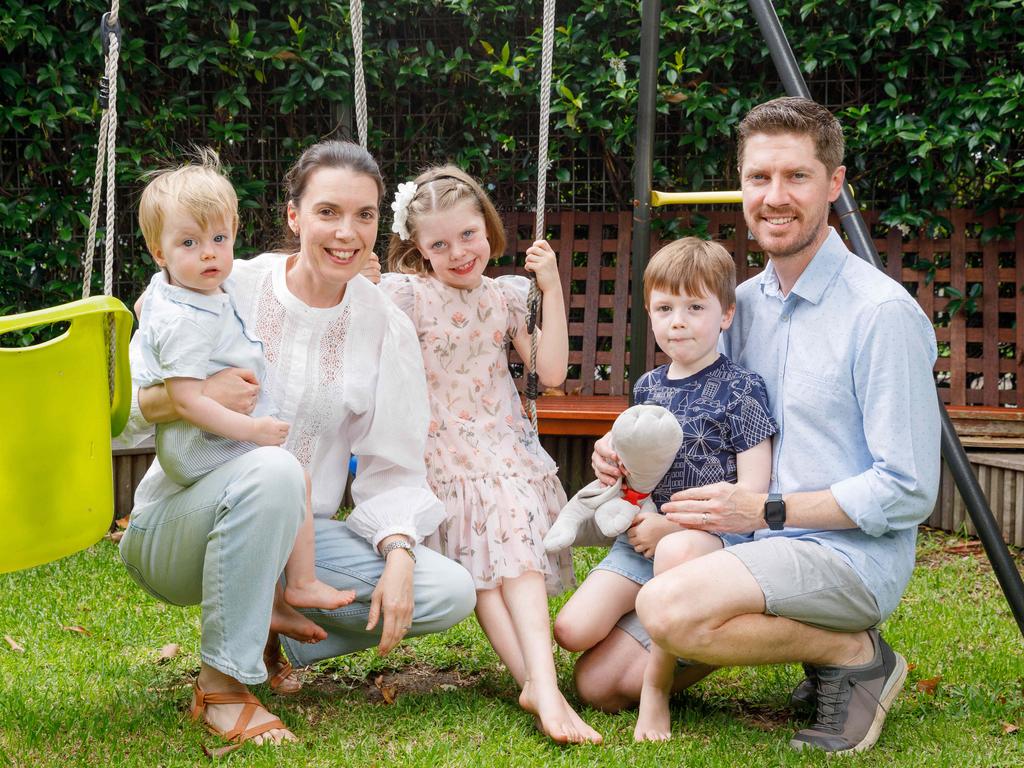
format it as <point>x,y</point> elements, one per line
<point>195,257</point>
<point>787,191</point>
<point>336,222</point>
<point>455,243</point>
<point>687,329</point>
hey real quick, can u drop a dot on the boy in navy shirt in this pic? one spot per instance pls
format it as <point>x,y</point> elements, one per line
<point>689,293</point>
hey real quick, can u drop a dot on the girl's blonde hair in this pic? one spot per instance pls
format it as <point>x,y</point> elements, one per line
<point>441,188</point>
<point>199,188</point>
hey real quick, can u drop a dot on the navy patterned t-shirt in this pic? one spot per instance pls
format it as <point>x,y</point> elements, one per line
<point>722,409</point>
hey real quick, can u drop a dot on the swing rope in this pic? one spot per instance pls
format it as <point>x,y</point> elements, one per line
<point>533,299</point>
<point>110,33</point>
<point>547,49</point>
<point>359,79</point>
<point>105,145</point>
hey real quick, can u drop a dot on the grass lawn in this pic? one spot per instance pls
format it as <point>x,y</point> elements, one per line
<point>83,685</point>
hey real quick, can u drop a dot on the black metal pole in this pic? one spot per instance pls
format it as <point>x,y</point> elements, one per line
<point>650,28</point>
<point>853,224</point>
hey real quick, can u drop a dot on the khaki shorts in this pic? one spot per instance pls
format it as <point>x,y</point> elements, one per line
<point>801,580</point>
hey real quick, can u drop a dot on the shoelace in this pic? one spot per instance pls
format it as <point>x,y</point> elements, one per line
<point>832,700</point>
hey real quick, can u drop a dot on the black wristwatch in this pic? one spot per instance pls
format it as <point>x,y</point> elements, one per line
<point>775,512</point>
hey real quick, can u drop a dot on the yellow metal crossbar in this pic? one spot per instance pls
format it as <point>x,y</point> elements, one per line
<point>694,198</point>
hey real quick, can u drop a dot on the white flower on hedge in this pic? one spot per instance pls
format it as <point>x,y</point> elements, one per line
<point>406,192</point>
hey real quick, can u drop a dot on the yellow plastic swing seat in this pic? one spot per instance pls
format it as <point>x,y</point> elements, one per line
<point>56,472</point>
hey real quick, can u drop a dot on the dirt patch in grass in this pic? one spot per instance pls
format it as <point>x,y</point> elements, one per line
<point>765,718</point>
<point>385,687</point>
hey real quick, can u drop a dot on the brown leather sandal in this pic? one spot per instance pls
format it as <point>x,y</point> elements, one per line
<point>282,682</point>
<point>238,734</point>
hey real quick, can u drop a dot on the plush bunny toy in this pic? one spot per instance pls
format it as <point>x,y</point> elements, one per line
<point>646,438</point>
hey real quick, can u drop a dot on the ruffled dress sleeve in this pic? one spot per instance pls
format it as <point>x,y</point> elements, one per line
<point>515,289</point>
<point>400,289</point>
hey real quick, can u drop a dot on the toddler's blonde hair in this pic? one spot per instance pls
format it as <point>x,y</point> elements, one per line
<point>198,187</point>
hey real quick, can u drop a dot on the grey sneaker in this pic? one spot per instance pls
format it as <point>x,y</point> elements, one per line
<point>805,695</point>
<point>853,702</point>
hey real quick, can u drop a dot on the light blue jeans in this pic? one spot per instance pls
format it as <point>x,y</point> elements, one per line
<point>223,543</point>
<point>443,592</point>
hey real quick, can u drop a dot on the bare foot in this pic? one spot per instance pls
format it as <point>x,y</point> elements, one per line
<point>654,723</point>
<point>285,620</point>
<point>223,717</point>
<point>316,594</point>
<point>555,718</point>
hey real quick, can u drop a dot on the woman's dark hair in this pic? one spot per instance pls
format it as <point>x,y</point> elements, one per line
<point>324,154</point>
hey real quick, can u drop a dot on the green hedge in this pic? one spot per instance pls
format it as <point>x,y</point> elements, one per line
<point>930,93</point>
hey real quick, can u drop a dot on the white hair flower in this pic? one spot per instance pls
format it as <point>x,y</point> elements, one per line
<point>406,192</point>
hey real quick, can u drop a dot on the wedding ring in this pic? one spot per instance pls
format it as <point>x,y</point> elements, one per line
<point>704,519</point>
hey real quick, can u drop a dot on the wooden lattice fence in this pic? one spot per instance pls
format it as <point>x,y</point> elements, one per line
<point>969,283</point>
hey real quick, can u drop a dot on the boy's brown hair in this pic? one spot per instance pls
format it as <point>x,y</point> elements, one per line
<point>692,266</point>
<point>199,188</point>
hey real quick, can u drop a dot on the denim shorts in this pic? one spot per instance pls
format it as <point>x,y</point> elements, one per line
<point>626,561</point>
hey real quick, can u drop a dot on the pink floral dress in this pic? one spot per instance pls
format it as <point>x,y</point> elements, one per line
<point>500,488</point>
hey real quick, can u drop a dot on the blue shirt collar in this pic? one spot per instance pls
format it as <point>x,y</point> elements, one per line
<point>817,275</point>
<point>207,302</point>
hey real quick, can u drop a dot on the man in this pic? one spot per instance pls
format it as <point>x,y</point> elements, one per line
<point>847,357</point>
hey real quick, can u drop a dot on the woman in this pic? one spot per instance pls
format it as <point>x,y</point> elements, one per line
<point>346,373</point>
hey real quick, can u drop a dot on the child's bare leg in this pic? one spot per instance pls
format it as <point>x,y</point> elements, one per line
<point>526,598</point>
<point>654,721</point>
<point>302,588</point>
<point>492,613</point>
<point>602,599</point>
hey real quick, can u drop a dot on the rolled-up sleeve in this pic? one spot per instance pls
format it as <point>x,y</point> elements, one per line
<point>896,394</point>
<point>390,489</point>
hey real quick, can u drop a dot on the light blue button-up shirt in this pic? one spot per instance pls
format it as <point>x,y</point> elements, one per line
<point>847,358</point>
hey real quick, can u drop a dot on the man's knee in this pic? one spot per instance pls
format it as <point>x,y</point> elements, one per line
<point>667,619</point>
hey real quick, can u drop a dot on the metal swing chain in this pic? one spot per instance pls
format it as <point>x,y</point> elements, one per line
<point>533,299</point>
<point>105,146</point>
<point>358,77</point>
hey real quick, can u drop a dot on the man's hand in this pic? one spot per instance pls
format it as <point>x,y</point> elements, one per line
<point>721,507</point>
<point>647,530</point>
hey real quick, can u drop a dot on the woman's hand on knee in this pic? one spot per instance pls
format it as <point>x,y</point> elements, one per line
<point>392,601</point>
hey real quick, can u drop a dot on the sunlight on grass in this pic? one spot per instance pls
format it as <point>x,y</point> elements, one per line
<point>89,688</point>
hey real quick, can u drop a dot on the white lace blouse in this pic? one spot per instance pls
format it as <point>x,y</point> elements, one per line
<point>349,380</point>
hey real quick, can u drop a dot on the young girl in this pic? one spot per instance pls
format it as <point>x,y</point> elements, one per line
<point>500,489</point>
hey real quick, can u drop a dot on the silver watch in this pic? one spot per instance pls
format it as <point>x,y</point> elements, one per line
<point>398,544</point>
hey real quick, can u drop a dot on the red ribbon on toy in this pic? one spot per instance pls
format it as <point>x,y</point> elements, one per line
<point>633,497</point>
